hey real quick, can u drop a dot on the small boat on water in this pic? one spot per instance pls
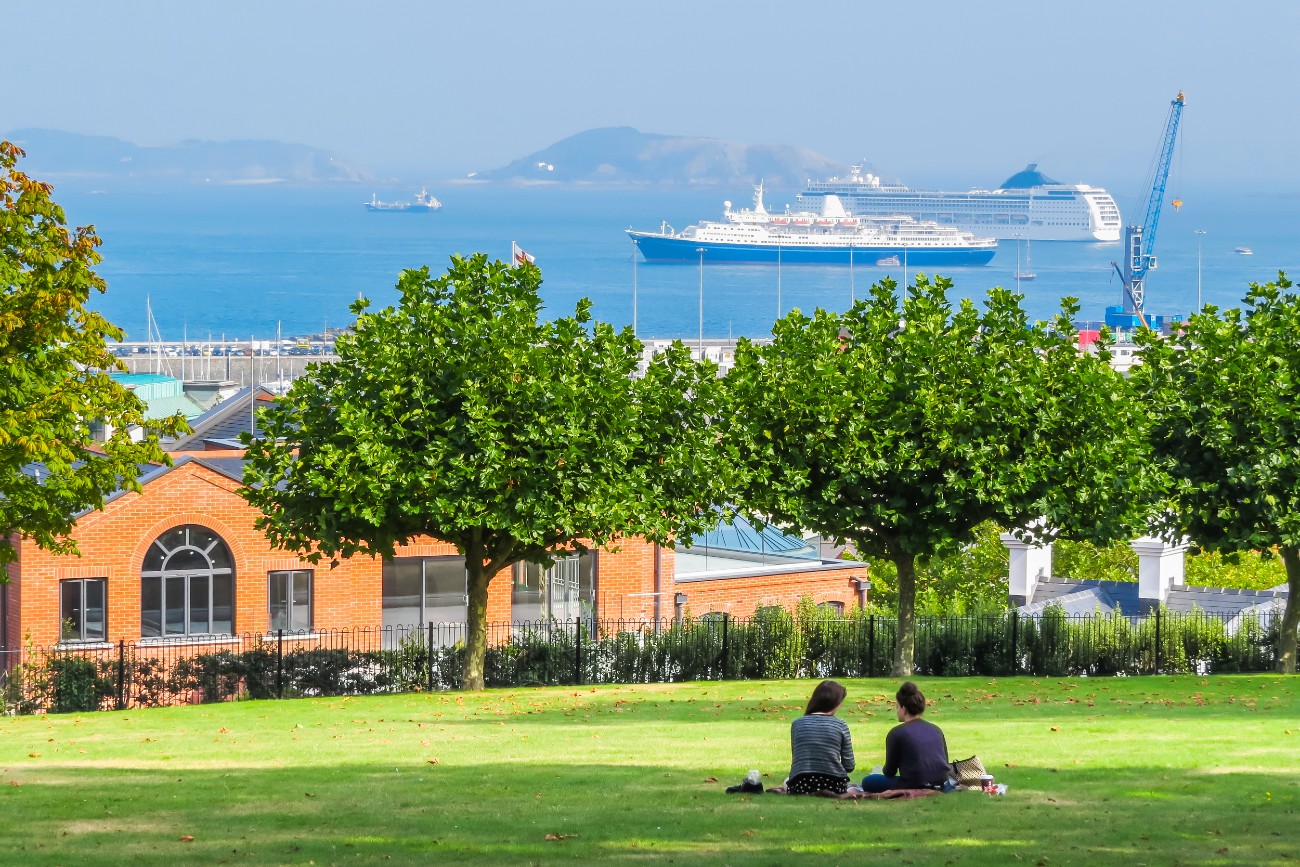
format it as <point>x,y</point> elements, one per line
<point>423,204</point>
<point>887,261</point>
<point>1243,251</point>
<point>1028,272</point>
<point>832,237</point>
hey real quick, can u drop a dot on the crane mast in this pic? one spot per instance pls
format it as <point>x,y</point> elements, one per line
<point>1140,240</point>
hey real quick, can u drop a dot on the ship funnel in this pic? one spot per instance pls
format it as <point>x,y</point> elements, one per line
<point>832,207</point>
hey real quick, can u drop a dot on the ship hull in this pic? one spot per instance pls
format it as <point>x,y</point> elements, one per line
<point>658,248</point>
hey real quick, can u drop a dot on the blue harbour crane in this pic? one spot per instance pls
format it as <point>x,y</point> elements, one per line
<point>1140,240</point>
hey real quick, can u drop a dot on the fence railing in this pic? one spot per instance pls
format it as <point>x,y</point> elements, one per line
<point>772,644</point>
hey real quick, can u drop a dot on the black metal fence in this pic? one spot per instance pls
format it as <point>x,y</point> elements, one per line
<point>772,644</point>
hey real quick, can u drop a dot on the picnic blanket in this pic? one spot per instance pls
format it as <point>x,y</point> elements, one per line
<point>900,794</point>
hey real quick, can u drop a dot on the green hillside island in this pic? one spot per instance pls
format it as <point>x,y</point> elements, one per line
<point>623,155</point>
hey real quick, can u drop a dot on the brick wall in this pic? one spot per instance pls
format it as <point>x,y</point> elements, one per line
<point>113,544</point>
<point>742,595</point>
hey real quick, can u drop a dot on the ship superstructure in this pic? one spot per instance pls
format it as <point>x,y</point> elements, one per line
<point>1028,205</point>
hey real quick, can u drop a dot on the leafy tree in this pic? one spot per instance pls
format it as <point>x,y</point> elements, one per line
<point>1248,570</point>
<point>53,387</point>
<point>1225,391</point>
<point>1085,561</point>
<point>903,425</point>
<point>459,415</point>
<point>954,579</point>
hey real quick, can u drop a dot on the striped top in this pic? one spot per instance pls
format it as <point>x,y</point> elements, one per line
<point>820,744</point>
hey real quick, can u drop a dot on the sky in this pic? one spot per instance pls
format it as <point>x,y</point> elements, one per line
<point>940,91</point>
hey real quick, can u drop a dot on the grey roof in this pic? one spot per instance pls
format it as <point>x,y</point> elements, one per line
<point>231,468</point>
<point>1086,597</point>
<point>223,423</point>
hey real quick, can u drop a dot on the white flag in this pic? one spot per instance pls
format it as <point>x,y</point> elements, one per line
<point>520,257</point>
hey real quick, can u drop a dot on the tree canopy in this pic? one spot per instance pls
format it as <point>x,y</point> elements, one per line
<point>54,386</point>
<point>903,424</point>
<point>1225,395</point>
<point>460,414</point>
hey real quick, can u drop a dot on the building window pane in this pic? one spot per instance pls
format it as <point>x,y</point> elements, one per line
<point>223,604</point>
<point>444,590</point>
<point>420,590</point>
<point>150,607</point>
<point>565,592</point>
<point>81,610</point>
<point>200,604</point>
<point>526,594</point>
<point>187,585</point>
<point>289,594</point>
<point>174,605</point>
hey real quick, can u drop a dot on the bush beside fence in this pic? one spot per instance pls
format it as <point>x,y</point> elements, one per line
<point>774,644</point>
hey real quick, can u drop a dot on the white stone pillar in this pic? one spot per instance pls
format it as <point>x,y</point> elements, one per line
<point>1029,565</point>
<point>1160,567</point>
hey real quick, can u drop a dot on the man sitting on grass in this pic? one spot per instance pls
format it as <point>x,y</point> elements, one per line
<point>916,754</point>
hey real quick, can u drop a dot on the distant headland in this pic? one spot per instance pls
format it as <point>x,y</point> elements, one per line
<point>623,155</point>
<point>58,155</point>
<point>611,156</point>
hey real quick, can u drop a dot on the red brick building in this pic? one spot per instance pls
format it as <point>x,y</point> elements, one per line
<point>183,561</point>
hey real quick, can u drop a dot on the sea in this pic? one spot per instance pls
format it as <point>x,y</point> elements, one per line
<point>253,261</point>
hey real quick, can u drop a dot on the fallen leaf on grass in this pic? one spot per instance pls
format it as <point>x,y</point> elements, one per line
<point>560,836</point>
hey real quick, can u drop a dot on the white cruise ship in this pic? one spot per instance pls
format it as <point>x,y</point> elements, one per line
<point>1028,205</point>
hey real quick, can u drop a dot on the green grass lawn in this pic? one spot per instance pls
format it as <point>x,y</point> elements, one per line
<point>1156,771</point>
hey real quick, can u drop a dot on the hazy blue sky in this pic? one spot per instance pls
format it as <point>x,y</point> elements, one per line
<point>944,90</point>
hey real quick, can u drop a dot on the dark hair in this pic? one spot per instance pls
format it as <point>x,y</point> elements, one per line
<point>910,699</point>
<point>826,697</point>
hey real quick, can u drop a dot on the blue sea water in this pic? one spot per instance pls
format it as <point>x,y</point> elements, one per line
<point>241,260</point>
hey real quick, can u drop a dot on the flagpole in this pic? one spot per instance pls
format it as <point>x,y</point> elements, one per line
<point>636,245</point>
<point>700,250</point>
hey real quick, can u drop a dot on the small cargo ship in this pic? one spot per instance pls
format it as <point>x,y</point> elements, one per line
<point>423,204</point>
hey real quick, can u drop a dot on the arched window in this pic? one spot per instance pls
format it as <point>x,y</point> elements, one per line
<point>187,585</point>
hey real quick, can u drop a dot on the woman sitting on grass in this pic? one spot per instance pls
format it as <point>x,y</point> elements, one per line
<point>820,745</point>
<point>916,754</point>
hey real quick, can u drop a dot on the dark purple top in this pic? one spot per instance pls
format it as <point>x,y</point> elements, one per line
<point>917,754</point>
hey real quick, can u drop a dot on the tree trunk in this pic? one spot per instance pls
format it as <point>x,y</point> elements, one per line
<point>476,581</point>
<point>1286,640</point>
<point>905,647</point>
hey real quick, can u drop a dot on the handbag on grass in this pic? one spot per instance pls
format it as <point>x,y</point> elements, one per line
<point>967,772</point>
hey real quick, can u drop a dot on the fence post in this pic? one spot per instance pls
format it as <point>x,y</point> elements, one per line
<point>726,656</point>
<point>1157,654</point>
<point>121,674</point>
<point>279,663</point>
<point>430,645</point>
<point>1015,637</point>
<point>871,645</point>
<point>577,651</point>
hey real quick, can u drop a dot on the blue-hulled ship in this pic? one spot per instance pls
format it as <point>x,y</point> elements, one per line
<point>832,237</point>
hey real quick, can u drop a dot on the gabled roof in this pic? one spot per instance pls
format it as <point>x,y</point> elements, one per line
<point>1086,597</point>
<point>223,423</point>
